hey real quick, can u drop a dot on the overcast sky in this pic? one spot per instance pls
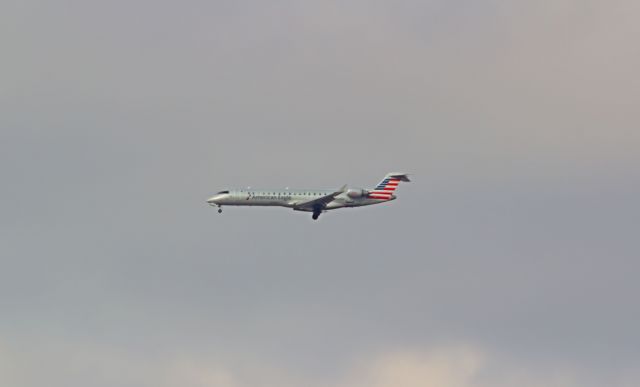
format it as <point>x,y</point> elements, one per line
<point>510,260</point>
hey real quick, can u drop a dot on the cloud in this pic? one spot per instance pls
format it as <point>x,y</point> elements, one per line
<point>518,119</point>
<point>457,366</point>
<point>445,367</point>
<point>454,366</point>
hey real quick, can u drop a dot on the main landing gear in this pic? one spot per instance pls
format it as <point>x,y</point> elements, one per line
<point>316,213</point>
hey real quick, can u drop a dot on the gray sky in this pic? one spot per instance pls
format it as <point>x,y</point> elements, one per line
<point>512,258</point>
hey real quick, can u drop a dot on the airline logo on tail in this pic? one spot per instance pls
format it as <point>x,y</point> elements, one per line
<point>384,190</point>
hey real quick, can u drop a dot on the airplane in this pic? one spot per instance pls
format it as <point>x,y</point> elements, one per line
<point>316,201</point>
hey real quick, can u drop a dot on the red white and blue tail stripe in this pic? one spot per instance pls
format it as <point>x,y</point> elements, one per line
<point>384,190</point>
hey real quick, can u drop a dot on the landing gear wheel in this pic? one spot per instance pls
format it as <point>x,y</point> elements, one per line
<point>315,215</point>
<point>219,210</point>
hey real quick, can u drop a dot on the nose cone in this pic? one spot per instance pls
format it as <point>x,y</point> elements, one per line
<point>215,199</point>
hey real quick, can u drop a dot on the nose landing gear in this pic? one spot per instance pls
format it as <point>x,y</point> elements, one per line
<point>219,209</point>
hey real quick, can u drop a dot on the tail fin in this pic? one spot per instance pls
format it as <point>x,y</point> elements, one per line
<point>388,185</point>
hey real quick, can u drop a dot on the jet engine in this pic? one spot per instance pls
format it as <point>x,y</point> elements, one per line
<point>355,193</point>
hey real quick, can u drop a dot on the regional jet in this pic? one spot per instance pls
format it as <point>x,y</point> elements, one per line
<point>316,201</point>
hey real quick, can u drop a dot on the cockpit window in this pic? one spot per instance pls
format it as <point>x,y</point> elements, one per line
<point>222,192</point>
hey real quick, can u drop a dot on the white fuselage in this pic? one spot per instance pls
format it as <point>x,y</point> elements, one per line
<point>288,198</point>
<point>311,200</point>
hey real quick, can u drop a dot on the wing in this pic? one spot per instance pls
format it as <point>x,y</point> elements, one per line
<point>319,202</point>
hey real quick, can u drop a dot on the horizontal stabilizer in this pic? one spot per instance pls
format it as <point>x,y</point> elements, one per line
<point>400,176</point>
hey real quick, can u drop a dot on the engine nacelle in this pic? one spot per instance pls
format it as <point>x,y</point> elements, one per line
<point>355,193</point>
